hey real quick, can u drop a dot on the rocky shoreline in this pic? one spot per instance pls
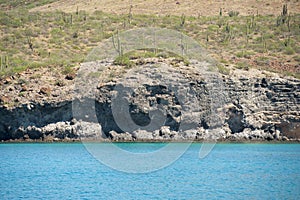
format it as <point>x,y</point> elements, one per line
<point>76,131</point>
<point>251,106</point>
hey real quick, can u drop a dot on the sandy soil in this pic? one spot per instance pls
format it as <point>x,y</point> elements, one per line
<point>175,7</point>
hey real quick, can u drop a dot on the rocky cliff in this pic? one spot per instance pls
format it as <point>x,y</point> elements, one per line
<point>157,100</point>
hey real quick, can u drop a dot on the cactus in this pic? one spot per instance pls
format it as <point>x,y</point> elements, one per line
<point>288,23</point>
<point>284,13</point>
<point>130,14</point>
<point>220,12</point>
<point>287,41</point>
<point>117,44</point>
<point>4,63</point>
<point>264,43</point>
<point>233,13</point>
<point>30,44</point>
<point>64,17</point>
<point>253,22</point>
<point>284,10</point>
<point>182,20</point>
<point>155,44</point>
<point>283,18</point>
<point>182,46</point>
<point>227,28</point>
<point>1,66</point>
<point>207,39</point>
<point>247,36</point>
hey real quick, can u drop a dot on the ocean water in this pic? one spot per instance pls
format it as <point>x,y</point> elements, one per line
<point>230,171</point>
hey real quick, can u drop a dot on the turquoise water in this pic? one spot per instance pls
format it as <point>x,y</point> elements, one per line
<point>230,171</point>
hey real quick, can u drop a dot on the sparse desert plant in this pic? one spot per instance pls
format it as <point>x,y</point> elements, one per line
<point>30,43</point>
<point>130,14</point>
<point>242,65</point>
<point>283,18</point>
<point>244,54</point>
<point>233,13</point>
<point>68,69</point>
<point>223,70</point>
<point>94,74</point>
<point>182,20</point>
<point>59,83</point>
<point>297,58</point>
<point>289,50</point>
<point>52,32</point>
<point>262,61</point>
<point>124,60</point>
<point>117,43</point>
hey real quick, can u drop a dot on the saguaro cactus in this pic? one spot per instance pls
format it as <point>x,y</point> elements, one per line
<point>117,44</point>
<point>182,20</point>
<point>30,44</point>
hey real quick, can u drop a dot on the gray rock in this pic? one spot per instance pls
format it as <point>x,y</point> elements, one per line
<point>164,131</point>
<point>143,135</point>
<point>189,134</point>
<point>277,135</point>
<point>256,107</point>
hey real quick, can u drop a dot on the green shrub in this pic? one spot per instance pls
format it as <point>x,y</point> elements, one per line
<point>233,13</point>
<point>242,65</point>
<point>244,54</point>
<point>262,61</point>
<point>68,69</point>
<point>289,50</point>
<point>297,58</point>
<point>223,70</point>
<point>124,61</point>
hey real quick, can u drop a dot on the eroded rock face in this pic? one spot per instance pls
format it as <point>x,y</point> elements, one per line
<point>266,103</point>
<point>140,104</point>
<point>235,119</point>
<point>255,107</point>
<point>13,121</point>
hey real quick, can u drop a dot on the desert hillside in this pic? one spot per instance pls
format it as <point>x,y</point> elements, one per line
<point>174,7</point>
<point>60,34</point>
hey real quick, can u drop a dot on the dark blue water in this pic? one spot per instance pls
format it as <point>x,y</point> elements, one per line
<point>230,171</point>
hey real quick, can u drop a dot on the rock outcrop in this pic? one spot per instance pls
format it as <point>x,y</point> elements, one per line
<point>242,106</point>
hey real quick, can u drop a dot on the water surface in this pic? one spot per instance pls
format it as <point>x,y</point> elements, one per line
<point>230,171</point>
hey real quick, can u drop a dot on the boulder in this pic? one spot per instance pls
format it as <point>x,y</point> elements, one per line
<point>120,136</point>
<point>276,135</point>
<point>142,135</point>
<point>34,132</point>
<point>164,131</point>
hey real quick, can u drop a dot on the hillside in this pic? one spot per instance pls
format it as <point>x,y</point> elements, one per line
<point>62,39</point>
<point>252,49</point>
<point>174,7</point>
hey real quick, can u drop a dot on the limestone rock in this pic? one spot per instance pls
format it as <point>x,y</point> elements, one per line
<point>192,105</point>
<point>164,131</point>
<point>142,135</point>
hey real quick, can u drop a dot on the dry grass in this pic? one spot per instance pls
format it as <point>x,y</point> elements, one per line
<point>175,7</point>
<point>64,38</point>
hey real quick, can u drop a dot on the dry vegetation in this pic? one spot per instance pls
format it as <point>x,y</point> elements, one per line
<point>256,34</point>
<point>174,7</point>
